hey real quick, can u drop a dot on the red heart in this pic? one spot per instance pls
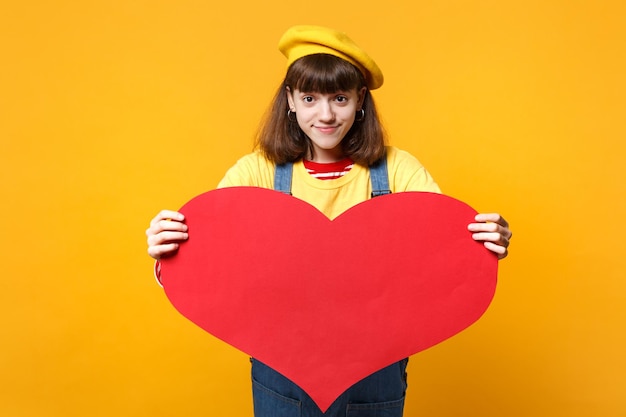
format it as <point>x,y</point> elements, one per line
<point>326,303</point>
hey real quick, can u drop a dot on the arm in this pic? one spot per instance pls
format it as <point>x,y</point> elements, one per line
<point>167,229</point>
<point>406,173</point>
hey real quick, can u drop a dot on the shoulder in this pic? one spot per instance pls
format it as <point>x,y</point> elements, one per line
<point>406,172</point>
<point>401,159</point>
<point>252,169</point>
<point>255,160</point>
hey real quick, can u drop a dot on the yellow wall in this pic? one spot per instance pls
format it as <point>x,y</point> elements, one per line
<point>111,110</point>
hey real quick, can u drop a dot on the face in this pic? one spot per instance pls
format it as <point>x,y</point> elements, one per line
<point>326,119</point>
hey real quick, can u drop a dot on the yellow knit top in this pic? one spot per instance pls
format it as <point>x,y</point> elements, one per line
<point>333,197</point>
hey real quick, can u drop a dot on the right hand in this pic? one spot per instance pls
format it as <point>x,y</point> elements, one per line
<point>165,233</point>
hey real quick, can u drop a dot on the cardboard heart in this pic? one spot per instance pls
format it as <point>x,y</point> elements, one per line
<point>327,303</point>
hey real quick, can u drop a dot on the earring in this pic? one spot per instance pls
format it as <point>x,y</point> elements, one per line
<point>360,115</point>
<point>289,113</point>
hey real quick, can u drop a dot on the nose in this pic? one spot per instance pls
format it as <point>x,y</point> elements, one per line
<point>326,112</point>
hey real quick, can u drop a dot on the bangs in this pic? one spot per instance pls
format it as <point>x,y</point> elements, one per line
<point>323,73</point>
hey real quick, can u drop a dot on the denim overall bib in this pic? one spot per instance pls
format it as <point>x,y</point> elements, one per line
<point>378,395</point>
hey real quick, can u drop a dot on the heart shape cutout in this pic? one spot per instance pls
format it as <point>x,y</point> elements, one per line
<point>327,303</point>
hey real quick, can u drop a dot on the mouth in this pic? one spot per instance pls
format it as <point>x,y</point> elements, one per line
<point>326,129</point>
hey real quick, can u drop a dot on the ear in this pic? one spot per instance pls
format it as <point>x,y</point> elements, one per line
<point>361,94</point>
<point>289,98</point>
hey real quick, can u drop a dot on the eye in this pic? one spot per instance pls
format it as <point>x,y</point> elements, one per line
<point>341,99</point>
<point>307,99</point>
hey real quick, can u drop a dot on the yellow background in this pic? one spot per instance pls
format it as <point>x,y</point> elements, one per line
<point>112,110</point>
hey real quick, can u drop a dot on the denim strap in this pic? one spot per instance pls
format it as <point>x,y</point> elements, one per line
<point>282,177</point>
<point>378,175</point>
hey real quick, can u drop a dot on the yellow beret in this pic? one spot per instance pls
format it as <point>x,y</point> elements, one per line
<point>301,41</point>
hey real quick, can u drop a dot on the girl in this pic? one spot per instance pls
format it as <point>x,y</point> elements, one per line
<point>318,142</point>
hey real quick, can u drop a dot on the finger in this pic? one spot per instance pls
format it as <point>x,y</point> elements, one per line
<point>499,226</point>
<point>495,238</point>
<point>157,252</point>
<point>167,215</point>
<point>491,217</point>
<point>490,228</point>
<point>500,251</point>
<point>166,225</point>
<point>485,227</point>
<point>167,237</point>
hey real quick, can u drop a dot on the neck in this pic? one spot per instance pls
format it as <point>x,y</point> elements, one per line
<point>327,157</point>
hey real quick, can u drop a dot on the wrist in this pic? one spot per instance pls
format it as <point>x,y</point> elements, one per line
<point>157,272</point>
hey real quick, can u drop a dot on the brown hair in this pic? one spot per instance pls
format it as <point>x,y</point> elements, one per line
<point>282,140</point>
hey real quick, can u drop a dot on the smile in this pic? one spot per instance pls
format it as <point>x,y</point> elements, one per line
<point>326,129</point>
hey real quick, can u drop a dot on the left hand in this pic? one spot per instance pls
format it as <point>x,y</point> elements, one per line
<point>493,231</point>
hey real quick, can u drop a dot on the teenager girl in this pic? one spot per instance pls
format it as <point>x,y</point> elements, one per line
<point>320,141</point>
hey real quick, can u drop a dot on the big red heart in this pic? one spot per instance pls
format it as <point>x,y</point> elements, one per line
<point>326,303</point>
